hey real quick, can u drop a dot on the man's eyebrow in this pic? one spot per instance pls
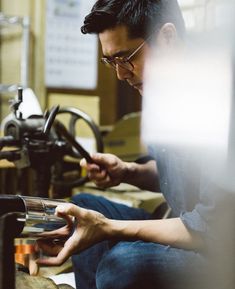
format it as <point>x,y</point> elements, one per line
<point>118,54</point>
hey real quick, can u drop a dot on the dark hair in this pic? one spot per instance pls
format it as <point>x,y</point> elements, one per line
<point>139,16</point>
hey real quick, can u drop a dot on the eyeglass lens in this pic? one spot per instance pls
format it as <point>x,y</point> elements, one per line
<point>117,61</point>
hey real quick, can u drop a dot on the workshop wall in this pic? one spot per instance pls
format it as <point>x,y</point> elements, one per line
<point>116,99</point>
<point>11,48</point>
<point>201,15</point>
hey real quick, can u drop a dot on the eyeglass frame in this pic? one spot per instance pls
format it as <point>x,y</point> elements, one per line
<point>124,59</point>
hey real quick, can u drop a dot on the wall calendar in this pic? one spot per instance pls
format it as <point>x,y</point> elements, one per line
<point>70,56</point>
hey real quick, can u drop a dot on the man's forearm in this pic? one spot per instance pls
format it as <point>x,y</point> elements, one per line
<point>144,176</point>
<point>170,232</point>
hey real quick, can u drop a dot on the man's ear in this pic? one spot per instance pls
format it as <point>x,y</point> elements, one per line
<point>167,35</point>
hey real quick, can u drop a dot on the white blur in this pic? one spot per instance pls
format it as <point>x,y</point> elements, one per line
<point>187,99</point>
<point>188,95</point>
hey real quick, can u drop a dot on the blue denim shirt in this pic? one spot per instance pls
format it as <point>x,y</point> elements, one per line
<point>186,187</point>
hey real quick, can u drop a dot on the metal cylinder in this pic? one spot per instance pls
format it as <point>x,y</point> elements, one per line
<point>39,216</point>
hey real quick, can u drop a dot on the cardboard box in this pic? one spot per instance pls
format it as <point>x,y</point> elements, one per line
<point>125,139</point>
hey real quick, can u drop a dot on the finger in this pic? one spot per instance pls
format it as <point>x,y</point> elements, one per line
<point>104,160</point>
<point>65,253</point>
<point>89,167</point>
<point>94,168</point>
<point>71,209</point>
<point>98,176</point>
<point>33,267</point>
<point>105,180</point>
<point>62,256</point>
<point>51,261</point>
<point>83,163</point>
<point>69,220</point>
<point>104,183</point>
<point>49,247</point>
<point>58,233</point>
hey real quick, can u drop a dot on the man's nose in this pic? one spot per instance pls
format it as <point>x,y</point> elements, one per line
<point>123,73</point>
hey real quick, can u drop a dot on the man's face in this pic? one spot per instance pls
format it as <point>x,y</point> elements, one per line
<point>116,43</point>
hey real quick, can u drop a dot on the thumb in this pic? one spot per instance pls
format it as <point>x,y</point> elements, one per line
<point>70,209</point>
<point>104,160</point>
<point>93,166</point>
<point>83,163</point>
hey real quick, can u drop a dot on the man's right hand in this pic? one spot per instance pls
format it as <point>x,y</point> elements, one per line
<point>106,171</point>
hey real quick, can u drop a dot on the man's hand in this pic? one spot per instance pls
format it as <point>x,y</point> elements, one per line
<point>92,227</point>
<point>89,228</point>
<point>106,171</point>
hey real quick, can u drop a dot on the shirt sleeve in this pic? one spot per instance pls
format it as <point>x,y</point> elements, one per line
<point>211,215</point>
<point>194,221</point>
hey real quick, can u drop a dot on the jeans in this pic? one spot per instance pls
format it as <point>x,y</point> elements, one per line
<point>137,264</point>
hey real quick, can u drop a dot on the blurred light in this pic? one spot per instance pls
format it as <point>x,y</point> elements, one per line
<point>187,99</point>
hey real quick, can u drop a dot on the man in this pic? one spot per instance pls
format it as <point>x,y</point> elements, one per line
<point>117,246</point>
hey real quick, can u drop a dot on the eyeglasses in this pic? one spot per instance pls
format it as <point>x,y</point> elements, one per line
<point>124,62</point>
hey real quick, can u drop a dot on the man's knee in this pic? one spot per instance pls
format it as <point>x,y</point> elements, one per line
<point>117,270</point>
<point>137,265</point>
<point>82,199</point>
<point>89,201</point>
<point>109,270</point>
<point>96,203</point>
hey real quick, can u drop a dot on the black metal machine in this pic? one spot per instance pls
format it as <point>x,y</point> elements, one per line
<point>41,142</point>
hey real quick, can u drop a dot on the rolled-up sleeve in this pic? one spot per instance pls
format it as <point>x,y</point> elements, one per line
<point>194,221</point>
